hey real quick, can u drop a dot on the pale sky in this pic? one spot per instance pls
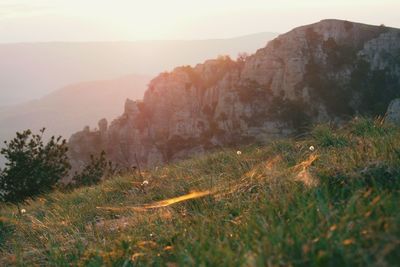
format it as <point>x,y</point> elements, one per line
<point>115,20</point>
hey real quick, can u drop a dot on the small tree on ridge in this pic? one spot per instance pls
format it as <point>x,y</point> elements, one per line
<point>33,167</point>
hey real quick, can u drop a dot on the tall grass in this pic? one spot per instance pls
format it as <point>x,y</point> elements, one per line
<point>263,211</point>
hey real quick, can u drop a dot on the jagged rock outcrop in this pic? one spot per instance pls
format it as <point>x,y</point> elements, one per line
<point>103,125</point>
<point>325,71</point>
<point>393,112</point>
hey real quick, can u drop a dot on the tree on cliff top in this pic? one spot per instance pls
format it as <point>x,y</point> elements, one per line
<point>33,166</point>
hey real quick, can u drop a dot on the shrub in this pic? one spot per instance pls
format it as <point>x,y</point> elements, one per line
<point>32,167</point>
<point>292,112</point>
<point>251,91</point>
<point>242,57</point>
<point>94,171</point>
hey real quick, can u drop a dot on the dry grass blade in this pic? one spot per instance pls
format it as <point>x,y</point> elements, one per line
<point>306,164</point>
<point>161,204</point>
<point>304,175</point>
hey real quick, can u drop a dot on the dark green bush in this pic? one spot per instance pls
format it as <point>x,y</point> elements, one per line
<point>32,167</point>
<point>98,168</point>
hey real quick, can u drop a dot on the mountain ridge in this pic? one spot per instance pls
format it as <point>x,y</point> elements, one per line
<point>260,34</point>
<point>326,71</point>
<point>31,70</point>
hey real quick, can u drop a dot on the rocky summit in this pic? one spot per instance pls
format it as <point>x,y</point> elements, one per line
<point>322,72</point>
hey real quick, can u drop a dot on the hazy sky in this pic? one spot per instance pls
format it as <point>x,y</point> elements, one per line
<point>94,20</point>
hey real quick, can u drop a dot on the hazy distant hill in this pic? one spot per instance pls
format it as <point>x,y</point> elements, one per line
<point>31,70</point>
<point>70,108</point>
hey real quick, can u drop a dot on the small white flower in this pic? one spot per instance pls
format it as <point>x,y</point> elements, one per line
<point>23,210</point>
<point>145,182</point>
<point>239,152</point>
<point>312,148</point>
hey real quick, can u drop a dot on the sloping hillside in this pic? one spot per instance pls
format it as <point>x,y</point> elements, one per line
<point>327,71</point>
<point>328,199</point>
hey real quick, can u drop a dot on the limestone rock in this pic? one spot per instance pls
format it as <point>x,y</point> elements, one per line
<point>393,112</point>
<point>103,125</point>
<point>314,73</point>
<point>131,107</point>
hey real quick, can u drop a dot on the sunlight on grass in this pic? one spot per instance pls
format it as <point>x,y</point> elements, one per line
<point>163,203</point>
<point>281,204</point>
<point>304,175</point>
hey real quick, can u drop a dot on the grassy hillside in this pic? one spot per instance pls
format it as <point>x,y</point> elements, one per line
<point>276,205</point>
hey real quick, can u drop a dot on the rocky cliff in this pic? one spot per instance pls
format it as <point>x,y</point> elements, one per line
<point>326,71</point>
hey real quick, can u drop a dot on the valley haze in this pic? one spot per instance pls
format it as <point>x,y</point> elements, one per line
<point>33,70</point>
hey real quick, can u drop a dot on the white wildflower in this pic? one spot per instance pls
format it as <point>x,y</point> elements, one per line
<point>312,148</point>
<point>23,210</point>
<point>239,152</point>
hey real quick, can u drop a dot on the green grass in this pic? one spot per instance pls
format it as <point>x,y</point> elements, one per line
<point>276,205</point>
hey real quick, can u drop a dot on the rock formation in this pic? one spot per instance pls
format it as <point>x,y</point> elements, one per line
<point>325,71</point>
<point>393,112</point>
<point>103,125</point>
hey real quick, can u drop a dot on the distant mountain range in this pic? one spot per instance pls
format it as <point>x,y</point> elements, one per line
<point>32,70</point>
<point>72,107</point>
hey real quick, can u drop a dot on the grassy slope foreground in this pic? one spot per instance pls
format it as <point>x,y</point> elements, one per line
<point>277,205</point>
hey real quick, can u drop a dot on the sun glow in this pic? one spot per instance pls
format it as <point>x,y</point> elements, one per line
<point>73,20</point>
